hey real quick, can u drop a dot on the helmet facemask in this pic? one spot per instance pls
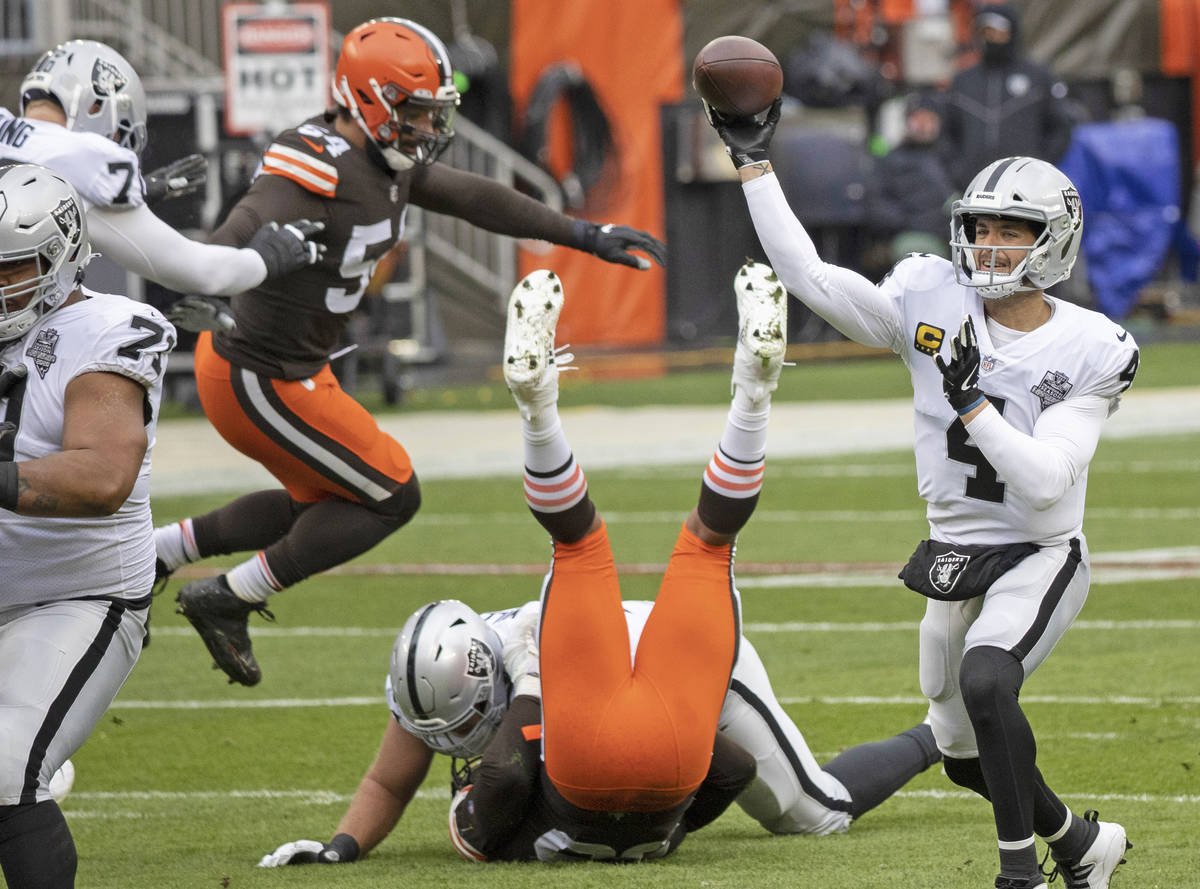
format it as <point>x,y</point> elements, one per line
<point>990,283</point>
<point>417,129</point>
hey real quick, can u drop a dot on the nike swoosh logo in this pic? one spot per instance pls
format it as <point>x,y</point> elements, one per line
<point>1122,335</point>
<point>318,148</point>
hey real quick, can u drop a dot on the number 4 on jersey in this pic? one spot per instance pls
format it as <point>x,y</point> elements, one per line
<point>983,485</point>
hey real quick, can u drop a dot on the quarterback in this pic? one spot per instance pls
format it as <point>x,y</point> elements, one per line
<point>1011,388</point>
<point>83,115</point>
<point>266,384</point>
<point>80,383</point>
<point>553,776</point>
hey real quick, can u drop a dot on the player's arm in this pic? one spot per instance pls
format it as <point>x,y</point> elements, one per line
<point>390,783</point>
<point>1043,466</point>
<point>139,241</point>
<point>490,205</point>
<point>844,298</point>
<point>104,441</point>
<point>485,813</point>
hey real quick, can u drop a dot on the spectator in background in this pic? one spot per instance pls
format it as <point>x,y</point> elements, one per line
<point>909,200</point>
<point>1004,106</point>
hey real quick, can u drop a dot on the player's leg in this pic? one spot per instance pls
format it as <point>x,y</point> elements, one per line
<point>61,665</point>
<point>690,640</point>
<point>584,641</point>
<point>1023,616</point>
<point>348,486</point>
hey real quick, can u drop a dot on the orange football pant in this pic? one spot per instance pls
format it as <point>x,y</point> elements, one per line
<point>317,440</point>
<point>634,735</point>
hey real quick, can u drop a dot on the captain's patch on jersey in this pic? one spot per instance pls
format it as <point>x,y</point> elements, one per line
<point>42,350</point>
<point>946,570</point>
<point>928,338</point>
<point>1053,388</point>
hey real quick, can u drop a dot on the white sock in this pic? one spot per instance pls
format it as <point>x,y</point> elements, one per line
<point>745,435</point>
<point>252,580</point>
<point>546,447</point>
<point>175,544</point>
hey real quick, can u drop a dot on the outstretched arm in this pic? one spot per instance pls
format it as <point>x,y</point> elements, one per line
<point>496,207</point>
<point>382,796</point>
<point>844,298</point>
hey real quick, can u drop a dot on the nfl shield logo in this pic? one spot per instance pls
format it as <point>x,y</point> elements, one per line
<point>946,570</point>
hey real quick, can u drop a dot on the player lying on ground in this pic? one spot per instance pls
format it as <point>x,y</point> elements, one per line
<point>454,672</point>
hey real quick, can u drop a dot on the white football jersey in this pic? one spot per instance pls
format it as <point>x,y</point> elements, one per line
<point>104,173</point>
<point>1077,352</point>
<point>47,559</point>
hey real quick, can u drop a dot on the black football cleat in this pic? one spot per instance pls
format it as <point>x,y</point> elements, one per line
<point>222,620</point>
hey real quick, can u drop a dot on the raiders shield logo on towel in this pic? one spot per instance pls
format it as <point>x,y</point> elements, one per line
<point>946,570</point>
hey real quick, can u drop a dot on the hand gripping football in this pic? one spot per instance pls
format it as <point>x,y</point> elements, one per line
<point>737,76</point>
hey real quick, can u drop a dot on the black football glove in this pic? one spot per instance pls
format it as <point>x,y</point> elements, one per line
<point>960,377</point>
<point>746,138</point>
<point>612,243</point>
<point>182,177</point>
<point>286,248</point>
<point>197,313</point>
<point>342,849</point>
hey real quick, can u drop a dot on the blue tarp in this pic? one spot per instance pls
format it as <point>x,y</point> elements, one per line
<point>1128,176</point>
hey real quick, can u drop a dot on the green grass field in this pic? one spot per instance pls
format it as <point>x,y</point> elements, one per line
<point>187,781</point>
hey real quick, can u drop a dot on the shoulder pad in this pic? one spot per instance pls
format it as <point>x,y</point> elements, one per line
<point>304,160</point>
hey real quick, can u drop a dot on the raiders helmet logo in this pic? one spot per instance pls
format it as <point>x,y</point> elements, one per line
<point>946,570</point>
<point>67,217</point>
<point>106,79</point>
<point>481,662</point>
<point>1074,206</point>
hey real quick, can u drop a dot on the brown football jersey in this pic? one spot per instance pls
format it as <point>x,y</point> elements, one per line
<point>288,327</point>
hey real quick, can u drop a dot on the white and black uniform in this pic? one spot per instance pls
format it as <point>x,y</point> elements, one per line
<point>108,177</point>
<point>1016,473</point>
<point>76,591</point>
<point>790,793</point>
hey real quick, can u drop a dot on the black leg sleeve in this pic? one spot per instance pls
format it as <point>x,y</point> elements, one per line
<point>873,772</point>
<point>251,522</point>
<point>991,679</point>
<point>731,771</point>
<point>36,849</point>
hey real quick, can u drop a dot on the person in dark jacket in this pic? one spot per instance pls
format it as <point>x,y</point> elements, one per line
<point>909,201</point>
<point>1004,106</point>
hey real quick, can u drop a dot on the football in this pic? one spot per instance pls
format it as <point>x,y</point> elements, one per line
<point>737,76</point>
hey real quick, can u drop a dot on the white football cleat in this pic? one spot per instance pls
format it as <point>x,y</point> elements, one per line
<point>530,365</point>
<point>762,330</point>
<point>1095,867</point>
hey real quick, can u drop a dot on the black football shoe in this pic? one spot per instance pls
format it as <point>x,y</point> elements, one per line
<point>222,620</point>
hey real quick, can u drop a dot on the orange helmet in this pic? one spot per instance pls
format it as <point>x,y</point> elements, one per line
<point>394,78</point>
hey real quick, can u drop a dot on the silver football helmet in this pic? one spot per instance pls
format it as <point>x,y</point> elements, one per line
<point>97,88</point>
<point>1024,188</point>
<point>448,680</point>
<point>41,219</point>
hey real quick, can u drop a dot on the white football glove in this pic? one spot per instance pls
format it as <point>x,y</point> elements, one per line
<point>303,852</point>
<point>197,313</point>
<point>521,661</point>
